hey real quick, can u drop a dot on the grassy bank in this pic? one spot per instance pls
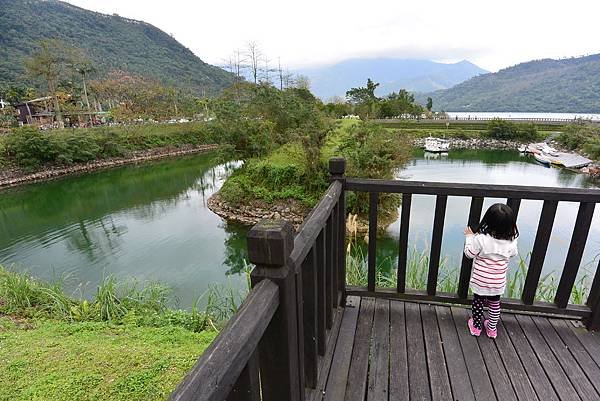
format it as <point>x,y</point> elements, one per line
<point>299,171</point>
<point>53,360</point>
<point>125,343</point>
<point>33,150</point>
<point>583,138</point>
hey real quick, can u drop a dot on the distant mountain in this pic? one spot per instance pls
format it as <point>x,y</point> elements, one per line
<point>392,74</point>
<point>112,42</point>
<point>567,85</point>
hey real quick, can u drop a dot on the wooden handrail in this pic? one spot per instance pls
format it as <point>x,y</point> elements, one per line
<point>473,190</point>
<point>587,199</point>
<point>215,374</point>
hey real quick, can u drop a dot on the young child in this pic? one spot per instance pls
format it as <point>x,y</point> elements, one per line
<point>492,244</point>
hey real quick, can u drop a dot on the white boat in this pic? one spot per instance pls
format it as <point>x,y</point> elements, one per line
<point>436,145</point>
<point>541,147</point>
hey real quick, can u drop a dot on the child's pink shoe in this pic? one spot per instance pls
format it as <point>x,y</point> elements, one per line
<point>474,330</point>
<point>490,333</point>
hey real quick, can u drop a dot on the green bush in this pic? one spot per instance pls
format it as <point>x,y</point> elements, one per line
<point>32,149</point>
<point>507,130</point>
<point>584,138</point>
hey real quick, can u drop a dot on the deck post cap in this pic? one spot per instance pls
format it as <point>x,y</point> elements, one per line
<point>270,242</point>
<point>337,166</point>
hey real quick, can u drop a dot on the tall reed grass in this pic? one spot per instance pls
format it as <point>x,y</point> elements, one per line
<point>117,302</point>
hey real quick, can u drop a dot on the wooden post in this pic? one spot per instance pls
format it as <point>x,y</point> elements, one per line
<point>337,171</point>
<point>269,246</point>
<point>593,301</point>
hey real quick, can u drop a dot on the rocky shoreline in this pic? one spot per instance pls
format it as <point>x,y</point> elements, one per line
<point>251,213</point>
<point>475,143</point>
<point>15,176</point>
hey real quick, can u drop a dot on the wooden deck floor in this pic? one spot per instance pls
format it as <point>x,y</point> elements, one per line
<point>393,350</point>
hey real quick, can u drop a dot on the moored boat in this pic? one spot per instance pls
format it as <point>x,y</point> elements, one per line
<point>542,159</point>
<point>436,145</point>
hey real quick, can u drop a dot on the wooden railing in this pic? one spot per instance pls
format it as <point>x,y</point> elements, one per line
<point>273,348</point>
<point>586,199</point>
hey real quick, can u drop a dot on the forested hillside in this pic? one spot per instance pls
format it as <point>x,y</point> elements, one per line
<point>110,41</point>
<point>567,85</point>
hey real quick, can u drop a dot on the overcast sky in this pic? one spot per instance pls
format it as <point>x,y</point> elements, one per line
<point>492,34</point>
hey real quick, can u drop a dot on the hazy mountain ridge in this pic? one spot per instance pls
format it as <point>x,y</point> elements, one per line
<point>111,41</point>
<point>566,85</point>
<point>392,74</point>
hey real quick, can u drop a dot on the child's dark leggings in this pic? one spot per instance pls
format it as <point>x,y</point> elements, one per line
<point>493,304</point>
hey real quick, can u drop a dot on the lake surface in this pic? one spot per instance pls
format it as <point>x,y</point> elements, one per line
<point>150,222</point>
<point>516,114</point>
<point>491,167</point>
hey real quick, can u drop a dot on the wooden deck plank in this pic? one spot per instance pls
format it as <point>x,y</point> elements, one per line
<point>357,376</point>
<point>398,354</point>
<point>496,369</point>
<point>532,366</point>
<point>583,358</point>
<point>326,361</point>
<point>457,368</point>
<point>570,366</point>
<point>480,379</point>
<point>439,382</point>
<point>338,376</point>
<point>380,353</point>
<point>515,370</point>
<point>561,383</point>
<point>418,380</point>
<point>590,341</point>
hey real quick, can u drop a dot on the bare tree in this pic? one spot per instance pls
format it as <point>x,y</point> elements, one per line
<point>253,55</point>
<point>280,73</point>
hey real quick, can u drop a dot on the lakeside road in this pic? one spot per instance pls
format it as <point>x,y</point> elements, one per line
<point>13,177</point>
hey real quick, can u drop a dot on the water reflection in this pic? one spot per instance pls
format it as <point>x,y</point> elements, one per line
<point>149,222</point>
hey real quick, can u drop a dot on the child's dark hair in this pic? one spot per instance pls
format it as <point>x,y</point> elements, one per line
<point>499,221</point>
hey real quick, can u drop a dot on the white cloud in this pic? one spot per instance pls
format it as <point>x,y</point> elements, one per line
<point>493,35</point>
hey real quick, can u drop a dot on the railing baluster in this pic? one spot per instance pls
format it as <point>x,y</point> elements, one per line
<point>321,297</point>
<point>342,246</point>
<point>515,205</point>
<point>540,246</point>
<point>337,170</point>
<point>467,264</point>
<point>436,243</point>
<point>403,242</point>
<point>373,196</point>
<point>309,296</point>
<point>578,239</point>
<point>334,258</point>
<point>247,386</point>
<point>329,272</point>
<point>300,328</point>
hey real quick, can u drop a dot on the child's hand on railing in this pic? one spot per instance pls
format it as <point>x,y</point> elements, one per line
<point>468,231</point>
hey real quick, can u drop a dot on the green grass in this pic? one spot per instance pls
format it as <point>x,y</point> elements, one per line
<point>53,360</point>
<point>418,266</point>
<point>123,344</point>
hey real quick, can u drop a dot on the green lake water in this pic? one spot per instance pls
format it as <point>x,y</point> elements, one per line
<point>150,222</point>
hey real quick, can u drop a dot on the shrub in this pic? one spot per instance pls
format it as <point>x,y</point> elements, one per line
<point>507,130</point>
<point>31,148</point>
